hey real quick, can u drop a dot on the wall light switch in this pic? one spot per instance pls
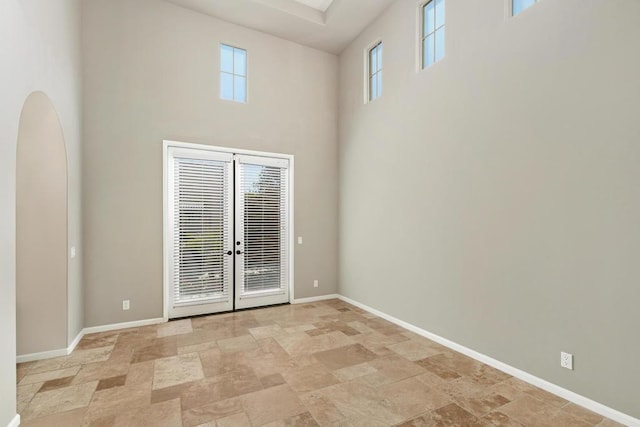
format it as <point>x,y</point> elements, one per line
<point>73,252</point>
<point>315,284</point>
<point>300,240</point>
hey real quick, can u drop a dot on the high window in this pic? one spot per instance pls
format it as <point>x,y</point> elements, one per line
<point>233,73</point>
<point>375,72</point>
<point>433,45</point>
<point>518,6</point>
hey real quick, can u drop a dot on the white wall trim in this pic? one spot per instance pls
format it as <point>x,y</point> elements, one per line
<point>165,226</point>
<point>124,325</point>
<point>41,355</point>
<point>524,376</point>
<point>75,342</point>
<point>419,30</point>
<point>51,353</point>
<point>181,144</point>
<point>315,299</point>
<point>92,330</point>
<point>15,422</point>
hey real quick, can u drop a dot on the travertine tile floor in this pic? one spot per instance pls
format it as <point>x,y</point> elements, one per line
<point>326,363</point>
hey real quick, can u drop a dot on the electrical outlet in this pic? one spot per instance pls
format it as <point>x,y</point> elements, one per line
<point>566,360</point>
<point>300,240</point>
<point>73,252</point>
<point>125,304</point>
<point>315,284</point>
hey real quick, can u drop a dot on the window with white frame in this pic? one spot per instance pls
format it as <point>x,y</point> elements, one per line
<point>375,72</point>
<point>518,6</point>
<point>433,44</point>
<point>233,73</point>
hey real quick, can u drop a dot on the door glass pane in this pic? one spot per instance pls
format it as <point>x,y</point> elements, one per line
<point>379,83</point>
<point>199,224</point>
<point>264,216</point>
<point>439,54</point>
<point>379,67</point>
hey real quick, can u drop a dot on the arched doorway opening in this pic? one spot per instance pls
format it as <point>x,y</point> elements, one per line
<point>41,229</point>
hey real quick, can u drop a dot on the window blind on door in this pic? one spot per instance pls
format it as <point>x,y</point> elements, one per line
<point>202,233</point>
<point>263,203</point>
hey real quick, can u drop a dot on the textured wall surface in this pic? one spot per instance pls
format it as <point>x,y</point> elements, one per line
<point>40,45</point>
<point>493,198</point>
<point>152,73</point>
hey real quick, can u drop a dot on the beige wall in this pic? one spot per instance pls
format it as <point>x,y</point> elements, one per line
<point>493,198</point>
<point>151,73</point>
<point>41,229</point>
<point>40,51</point>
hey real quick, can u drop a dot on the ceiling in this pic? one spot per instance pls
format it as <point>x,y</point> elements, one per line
<point>327,25</point>
<point>321,5</point>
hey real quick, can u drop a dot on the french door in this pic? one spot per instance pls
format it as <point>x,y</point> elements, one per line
<point>228,231</point>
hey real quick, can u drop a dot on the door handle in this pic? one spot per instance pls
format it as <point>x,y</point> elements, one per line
<point>238,252</point>
<point>230,253</point>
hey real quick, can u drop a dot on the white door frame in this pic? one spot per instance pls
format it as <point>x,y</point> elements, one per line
<point>166,239</point>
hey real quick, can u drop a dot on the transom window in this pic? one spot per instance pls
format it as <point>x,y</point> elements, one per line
<point>375,72</point>
<point>233,73</point>
<point>518,6</point>
<point>433,46</point>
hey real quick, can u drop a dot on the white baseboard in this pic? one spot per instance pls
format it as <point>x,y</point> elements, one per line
<point>92,330</point>
<point>125,325</point>
<point>75,342</point>
<point>315,299</point>
<point>15,422</point>
<point>524,376</point>
<point>41,355</point>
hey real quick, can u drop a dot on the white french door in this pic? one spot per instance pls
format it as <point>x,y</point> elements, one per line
<point>262,231</point>
<point>200,209</point>
<point>228,231</point>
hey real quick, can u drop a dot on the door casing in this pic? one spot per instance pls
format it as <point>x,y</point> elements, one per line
<point>166,239</point>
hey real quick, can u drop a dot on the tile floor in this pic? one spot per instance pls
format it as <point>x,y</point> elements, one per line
<point>326,363</point>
